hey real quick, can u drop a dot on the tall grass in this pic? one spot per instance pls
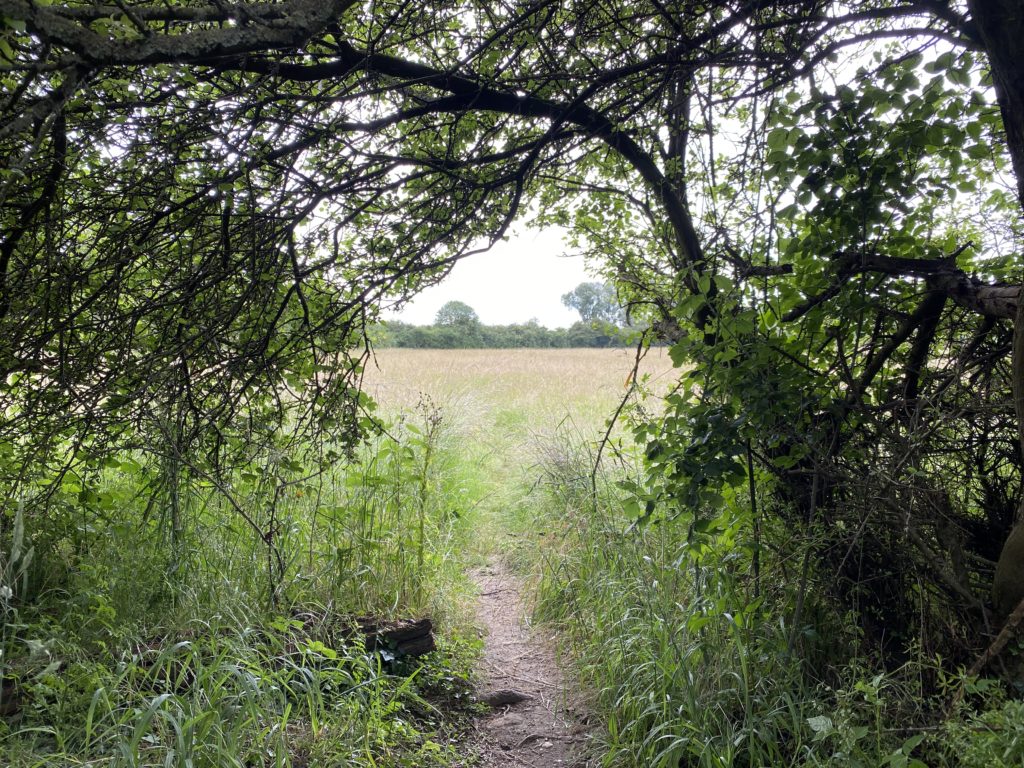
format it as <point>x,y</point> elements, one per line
<point>692,664</point>
<point>234,644</point>
<point>226,697</point>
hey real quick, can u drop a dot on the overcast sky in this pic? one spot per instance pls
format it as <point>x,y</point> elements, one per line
<point>517,280</point>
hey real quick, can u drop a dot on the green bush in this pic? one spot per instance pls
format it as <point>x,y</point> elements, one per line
<point>522,335</point>
<point>692,659</point>
<point>992,738</point>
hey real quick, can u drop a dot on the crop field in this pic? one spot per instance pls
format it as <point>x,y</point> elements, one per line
<point>507,412</point>
<point>513,393</point>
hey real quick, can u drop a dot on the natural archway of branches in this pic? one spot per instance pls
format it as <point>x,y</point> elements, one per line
<point>817,203</point>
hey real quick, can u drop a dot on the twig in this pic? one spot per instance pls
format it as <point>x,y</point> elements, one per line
<point>631,388</point>
<point>1012,622</point>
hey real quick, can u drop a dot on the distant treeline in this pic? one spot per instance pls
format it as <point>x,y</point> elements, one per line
<point>479,336</point>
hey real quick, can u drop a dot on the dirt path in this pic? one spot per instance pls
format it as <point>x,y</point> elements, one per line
<point>533,723</point>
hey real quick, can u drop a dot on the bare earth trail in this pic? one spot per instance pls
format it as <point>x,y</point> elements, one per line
<point>534,722</point>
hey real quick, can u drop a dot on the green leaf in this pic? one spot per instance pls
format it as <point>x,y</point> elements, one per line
<point>821,725</point>
<point>778,138</point>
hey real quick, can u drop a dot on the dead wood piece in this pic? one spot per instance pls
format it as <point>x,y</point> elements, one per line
<point>10,697</point>
<point>400,637</point>
<point>407,637</point>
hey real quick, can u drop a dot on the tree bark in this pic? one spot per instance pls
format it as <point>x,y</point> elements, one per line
<point>1000,27</point>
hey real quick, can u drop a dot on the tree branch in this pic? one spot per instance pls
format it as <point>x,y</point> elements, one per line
<point>942,275</point>
<point>469,94</point>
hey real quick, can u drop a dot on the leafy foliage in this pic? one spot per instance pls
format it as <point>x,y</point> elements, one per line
<point>596,303</point>
<point>525,335</point>
<point>457,313</point>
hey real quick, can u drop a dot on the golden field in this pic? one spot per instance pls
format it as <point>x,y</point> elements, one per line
<point>514,391</point>
<point>506,412</point>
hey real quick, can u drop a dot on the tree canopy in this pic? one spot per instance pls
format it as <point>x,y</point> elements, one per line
<point>596,303</point>
<point>817,203</point>
<point>456,313</point>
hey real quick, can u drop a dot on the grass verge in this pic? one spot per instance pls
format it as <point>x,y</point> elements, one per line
<point>229,640</point>
<point>692,660</point>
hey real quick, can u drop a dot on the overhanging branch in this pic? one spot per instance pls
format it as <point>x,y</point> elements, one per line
<point>996,300</point>
<point>468,94</point>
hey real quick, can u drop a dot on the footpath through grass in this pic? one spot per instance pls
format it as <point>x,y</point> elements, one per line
<point>220,630</point>
<point>528,424</point>
<point>508,411</point>
<point>213,626</point>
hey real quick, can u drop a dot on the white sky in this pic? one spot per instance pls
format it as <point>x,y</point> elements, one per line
<point>519,279</point>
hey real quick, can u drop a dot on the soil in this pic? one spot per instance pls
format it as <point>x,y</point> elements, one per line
<point>533,722</point>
